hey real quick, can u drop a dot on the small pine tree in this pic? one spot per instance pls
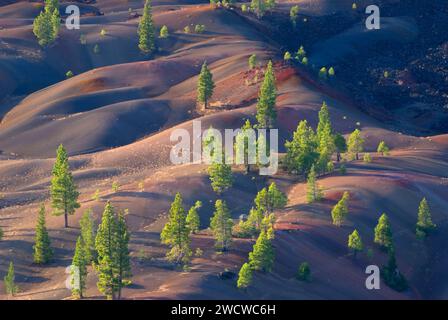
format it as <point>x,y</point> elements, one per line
<point>176,233</point>
<point>383,148</point>
<point>355,242</point>
<point>252,61</point>
<point>301,53</point>
<point>64,194</point>
<point>42,247</point>
<point>340,145</point>
<point>313,192</point>
<point>96,49</point>
<point>323,74</point>
<point>242,144</point>
<point>355,143</point>
<point>88,235</point>
<point>287,56</point>
<point>9,280</point>
<point>221,224</point>
<point>266,113</point>
<point>79,269</point>
<point>304,272</point>
<point>115,186</point>
<point>340,210</point>
<point>424,220</point>
<point>193,221</point>
<point>293,14</point>
<point>1,233</point>
<point>331,72</point>
<point>259,7</point>
<point>164,32</point>
<point>205,85</point>
<point>146,31</point>
<point>383,232</point>
<point>244,276</point>
<point>367,158</point>
<point>262,255</point>
<point>391,275</point>
<point>220,175</point>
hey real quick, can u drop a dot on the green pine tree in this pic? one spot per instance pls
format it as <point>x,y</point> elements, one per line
<point>252,61</point>
<point>105,245</point>
<point>79,269</point>
<point>355,242</point>
<point>383,148</point>
<point>221,224</point>
<point>340,210</point>
<point>244,276</point>
<point>424,220</point>
<point>193,220</point>
<point>262,255</point>
<point>220,175</point>
<point>340,145</point>
<point>355,144</point>
<point>164,32</point>
<point>259,7</point>
<point>266,113</point>
<point>123,264</point>
<point>176,233</point>
<point>313,191</point>
<point>392,275</point>
<point>205,85</point>
<point>9,280</point>
<point>242,145</point>
<point>304,272</point>
<point>64,195</point>
<point>146,30</point>
<point>46,25</point>
<point>42,247</point>
<point>269,199</point>
<point>293,14</point>
<point>383,232</point>
<point>325,138</point>
<point>88,235</point>
<point>302,150</point>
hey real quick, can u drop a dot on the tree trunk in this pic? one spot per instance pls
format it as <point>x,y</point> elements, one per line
<point>338,157</point>
<point>357,156</point>
<point>66,218</point>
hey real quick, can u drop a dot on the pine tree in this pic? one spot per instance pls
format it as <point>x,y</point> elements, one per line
<point>64,196</point>
<point>55,23</point>
<point>252,61</point>
<point>1,233</point>
<point>262,256</point>
<point>269,199</point>
<point>205,85</point>
<point>304,272</point>
<point>176,233</point>
<point>146,30</point>
<point>340,210</point>
<point>392,275</point>
<point>424,220</point>
<point>383,232</point>
<point>42,247</point>
<point>355,242</point>
<point>47,23</point>
<point>244,276</point>
<point>259,7</point>
<point>122,253</point>
<point>340,145</point>
<point>105,245</point>
<point>302,150</point>
<point>193,220</point>
<point>255,219</point>
<point>293,13</point>
<point>79,269</point>
<point>220,175</point>
<point>266,113</point>
<point>325,138</point>
<point>221,224</point>
<point>164,32</point>
<point>242,144</point>
<point>88,235</point>
<point>355,143</point>
<point>313,191</point>
<point>383,148</point>
<point>9,280</point>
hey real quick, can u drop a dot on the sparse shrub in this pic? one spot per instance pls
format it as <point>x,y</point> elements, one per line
<point>198,252</point>
<point>301,53</point>
<point>293,13</point>
<point>187,29</point>
<point>141,186</point>
<point>96,49</point>
<point>342,169</point>
<point>287,56</point>
<point>69,74</point>
<point>305,61</point>
<point>367,158</point>
<point>330,166</point>
<point>199,28</point>
<point>383,148</point>
<point>83,39</point>
<point>386,74</point>
<point>354,6</point>
<point>331,72</point>
<point>164,32</point>
<point>115,186</point>
<point>323,73</point>
<point>304,272</point>
<point>252,61</point>
<point>96,195</point>
<point>244,8</point>
<point>103,32</point>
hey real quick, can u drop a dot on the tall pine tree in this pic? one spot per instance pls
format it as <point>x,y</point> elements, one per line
<point>88,235</point>
<point>123,264</point>
<point>383,232</point>
<point>244,276</point>
<point>64,195</point>
<point>176,233</point>
<point>221,224</point>
<point>340,210</point>
<point>355,144</point>
<point>262,255</point>
<point>424,220</point>
<point>9,281</point>
<point>205,85</point>
<point>266,113</point>
<point>79,269</point>
<point>193,220</point>
<point>146,30</point>
<point>313,191</point>
<point>42,244</point>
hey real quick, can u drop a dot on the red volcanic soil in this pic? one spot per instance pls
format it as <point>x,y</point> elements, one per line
<point>116,116</point>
